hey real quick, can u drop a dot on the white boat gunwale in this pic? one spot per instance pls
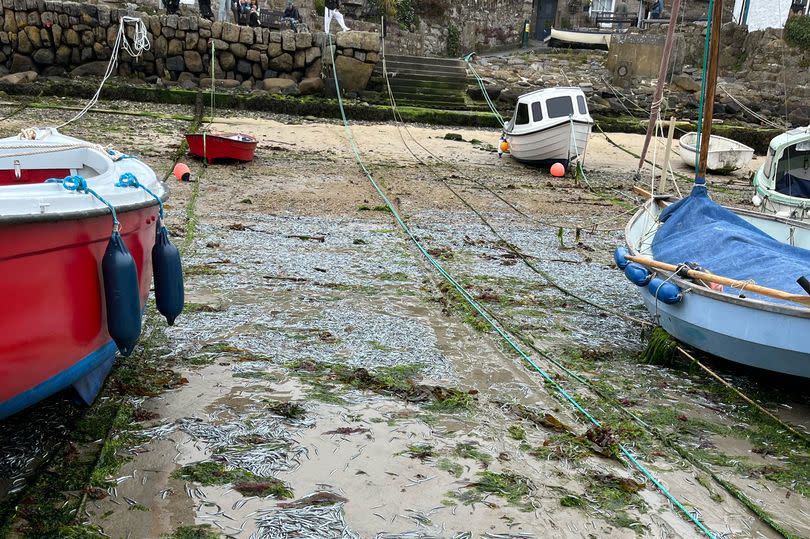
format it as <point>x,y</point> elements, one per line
<point>34,202</point>
<point>691,287</point>
<point>551,126</point>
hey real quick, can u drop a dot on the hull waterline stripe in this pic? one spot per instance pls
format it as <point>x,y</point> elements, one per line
<point>483,313</point>
<point>59,381</point>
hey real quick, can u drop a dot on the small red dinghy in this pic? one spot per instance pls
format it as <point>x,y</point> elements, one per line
<point>212,146</point>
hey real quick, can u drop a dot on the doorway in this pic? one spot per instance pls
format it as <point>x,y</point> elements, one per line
<point>546,15</point>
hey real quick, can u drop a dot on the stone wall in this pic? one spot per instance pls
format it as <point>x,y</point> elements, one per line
<point>481,24</point>
<point>758,68</point>
<point>55,38</point>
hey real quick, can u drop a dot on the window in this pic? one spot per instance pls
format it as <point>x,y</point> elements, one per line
<point>768,163</point>
<point>602,6</point>
<point>583,109</point>
<point>558,107</point>
<point>522,114</point>
<point>537,112</point>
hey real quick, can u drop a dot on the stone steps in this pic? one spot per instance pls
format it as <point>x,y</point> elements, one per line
<point>426,82</point>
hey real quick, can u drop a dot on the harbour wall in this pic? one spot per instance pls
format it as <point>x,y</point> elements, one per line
<point>52,38</point>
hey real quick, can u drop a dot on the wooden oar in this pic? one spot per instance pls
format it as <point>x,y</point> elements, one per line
<point>734,283</point>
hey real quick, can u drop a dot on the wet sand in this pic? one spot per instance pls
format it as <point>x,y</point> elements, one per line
<point>295,276</point>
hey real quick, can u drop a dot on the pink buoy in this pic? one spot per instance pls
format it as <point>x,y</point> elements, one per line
<point>557,170</point>
<point>182,172</point>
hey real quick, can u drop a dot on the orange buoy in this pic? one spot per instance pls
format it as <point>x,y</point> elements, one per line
<point>182,172</point>
<point>557,170</point>
<point>504,146</point>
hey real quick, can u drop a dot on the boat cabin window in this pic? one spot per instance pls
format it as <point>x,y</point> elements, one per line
<point>537,112</point>
<point>581,104</point>
<point>559,107</point>
<point>522,114</point>
<point>793,171</point>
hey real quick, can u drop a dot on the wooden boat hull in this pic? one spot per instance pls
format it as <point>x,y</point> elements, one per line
<point>555,144</point>
<point>747,331</point>
<point>53,318</point>
<point>725,155</point>
<point>212,146</point>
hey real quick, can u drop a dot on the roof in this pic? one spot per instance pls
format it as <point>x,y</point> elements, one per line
<point>551,92</point>
<point>791,137</point>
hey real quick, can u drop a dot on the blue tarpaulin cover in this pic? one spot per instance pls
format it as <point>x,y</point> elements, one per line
<point>696,229</point>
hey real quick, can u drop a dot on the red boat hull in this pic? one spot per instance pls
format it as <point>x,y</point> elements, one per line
<point>53,320</point>
<point>221,146</point>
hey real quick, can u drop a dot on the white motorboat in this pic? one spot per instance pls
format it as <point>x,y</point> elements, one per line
<point>782,183</point>
<point>725,155</point>
<point>549,126</point>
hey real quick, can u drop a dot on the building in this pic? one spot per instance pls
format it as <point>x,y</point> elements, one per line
<point>585,13</point>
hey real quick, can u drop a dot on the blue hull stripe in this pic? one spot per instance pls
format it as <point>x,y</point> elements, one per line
<point>60,381</point>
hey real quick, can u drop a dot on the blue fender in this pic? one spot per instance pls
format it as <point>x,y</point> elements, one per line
<point>619,257</point>
<point>665,291</point>
<point>168,273</point>
<point>637,274</point>
<point>121,295</point>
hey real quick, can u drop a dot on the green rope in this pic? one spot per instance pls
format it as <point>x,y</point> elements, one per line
<point>703,84</point>
<point>481,85</point>
<point>484,314</point>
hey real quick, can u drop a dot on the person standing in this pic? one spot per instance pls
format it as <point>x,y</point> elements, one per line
<point>172,6</point>
<point>621,13</point>
<point>205,9</point>
<point>292,16</point>
<point>331,10</point>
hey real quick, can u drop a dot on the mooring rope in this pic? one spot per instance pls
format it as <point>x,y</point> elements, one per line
<point>79,184</point>
<point>484,313</point>
<point>482,85</point>
<point>128,179</point>
<point>139,45</point>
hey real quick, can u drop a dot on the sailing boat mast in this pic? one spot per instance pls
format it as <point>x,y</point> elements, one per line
<point>662,75</point>
<point>711,86</point>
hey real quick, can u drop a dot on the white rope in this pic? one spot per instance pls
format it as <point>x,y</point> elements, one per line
<point>759,117</point>
<point>139,45</point>
<point>39,149</point>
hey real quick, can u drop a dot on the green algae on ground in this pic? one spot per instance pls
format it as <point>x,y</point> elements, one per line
<point>419,451</point>
<point>398,380</point>
<point>290,410</point>
<point>614,495</point>
<point>563,446</point>
<point>453,468</point>
<point>572,501</point>
<point>209,473</point>
<point>516,432</point>
<point>212,473</point>
<point>203,531</point>
<point>263,488</point>
<point>455,302</point>
<point>512,487</point>
<point>471,450</point>
<point>661,348</point>
<point>380,207</point>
